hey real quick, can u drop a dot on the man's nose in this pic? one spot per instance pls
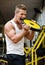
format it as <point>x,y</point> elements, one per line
<point>24,16</point>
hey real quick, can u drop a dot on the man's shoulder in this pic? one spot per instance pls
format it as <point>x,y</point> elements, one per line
<point>8,24</point>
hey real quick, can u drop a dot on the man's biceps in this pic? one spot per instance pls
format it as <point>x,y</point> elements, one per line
<point>10,33</point>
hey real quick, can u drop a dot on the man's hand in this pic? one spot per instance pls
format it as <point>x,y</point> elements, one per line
<point>26,27</point>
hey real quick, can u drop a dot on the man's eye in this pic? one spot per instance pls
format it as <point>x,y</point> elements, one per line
<point>21,14</point>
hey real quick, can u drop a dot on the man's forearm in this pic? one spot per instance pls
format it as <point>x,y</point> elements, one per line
<point>17,37</point>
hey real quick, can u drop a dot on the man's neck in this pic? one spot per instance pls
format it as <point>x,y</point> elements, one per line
<point>17,22</point>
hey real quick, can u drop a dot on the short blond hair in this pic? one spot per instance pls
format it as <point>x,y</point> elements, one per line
<point>20,6</point>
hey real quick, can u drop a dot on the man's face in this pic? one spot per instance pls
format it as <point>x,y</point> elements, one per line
<point>21,14</point>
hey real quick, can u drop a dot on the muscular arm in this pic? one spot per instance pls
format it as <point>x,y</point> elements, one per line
<point>10,32</point>
<point>30,35</point>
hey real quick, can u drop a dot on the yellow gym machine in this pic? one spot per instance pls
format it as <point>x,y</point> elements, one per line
<point>40,39</point>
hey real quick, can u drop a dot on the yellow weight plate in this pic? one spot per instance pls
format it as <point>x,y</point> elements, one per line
<point>32,24</point>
